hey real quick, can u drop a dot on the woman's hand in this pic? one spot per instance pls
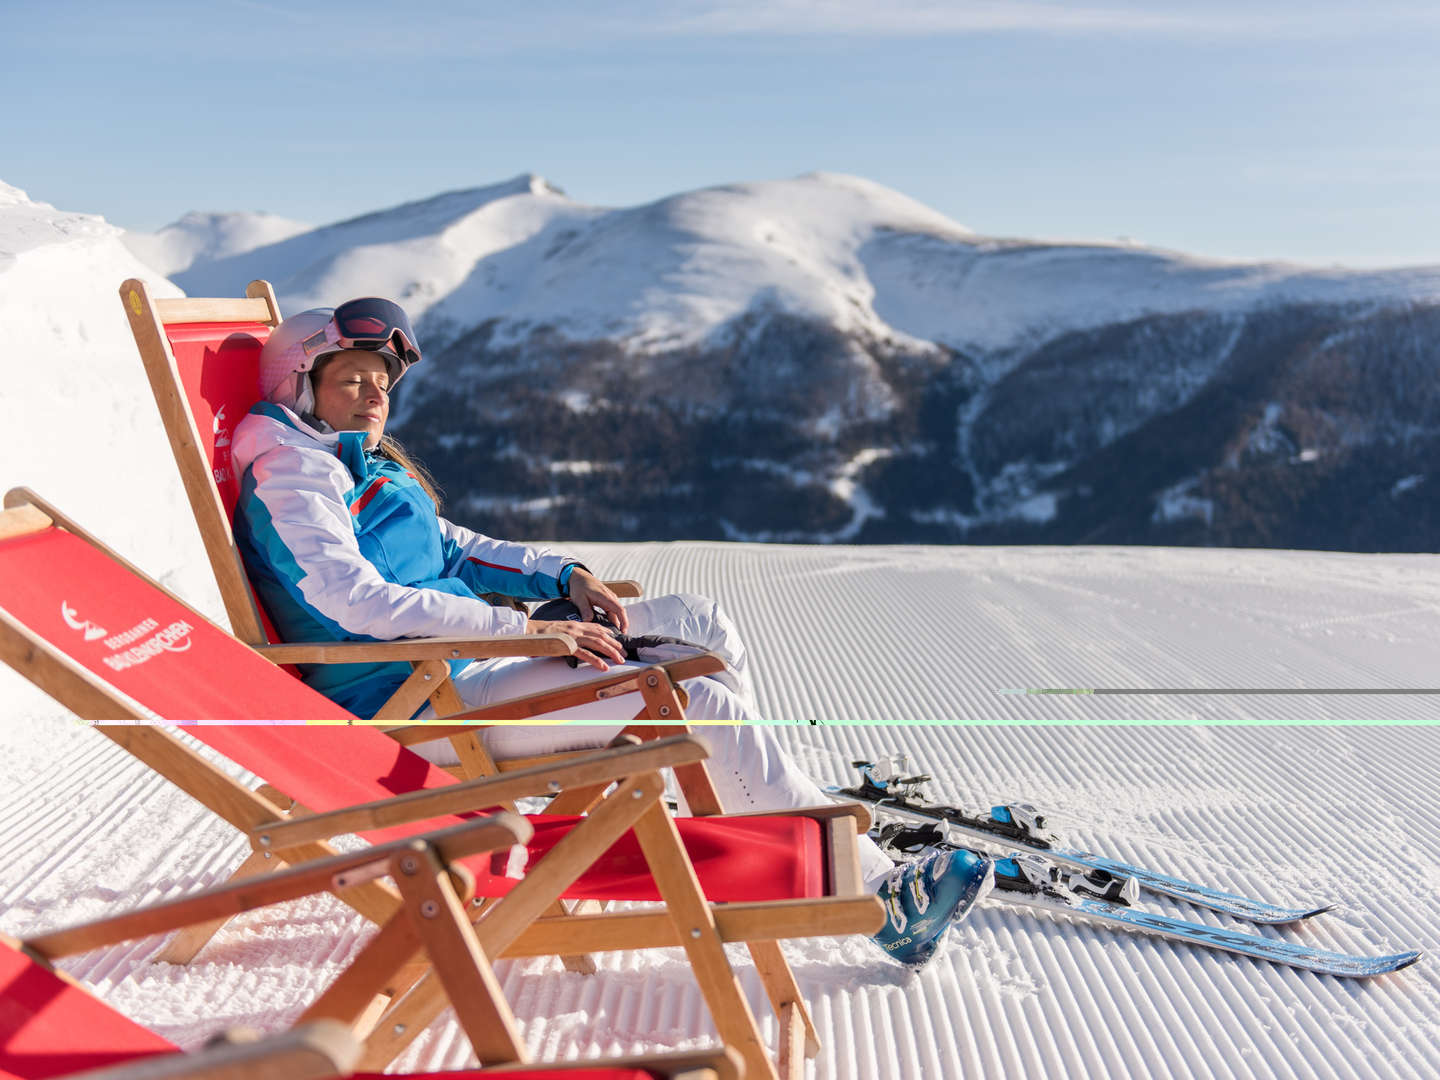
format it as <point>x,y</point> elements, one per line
<point>587,592</point>
<point>597,647</point>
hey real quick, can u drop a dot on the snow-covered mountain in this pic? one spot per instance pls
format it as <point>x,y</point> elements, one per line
<point>206,237</point>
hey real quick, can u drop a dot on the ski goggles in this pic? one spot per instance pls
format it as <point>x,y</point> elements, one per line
<point>371,323</point>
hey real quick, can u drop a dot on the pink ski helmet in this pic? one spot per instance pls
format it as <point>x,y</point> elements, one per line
<point>299,342</point>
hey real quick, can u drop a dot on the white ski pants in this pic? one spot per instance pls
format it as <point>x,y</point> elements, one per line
<point>749,768</point>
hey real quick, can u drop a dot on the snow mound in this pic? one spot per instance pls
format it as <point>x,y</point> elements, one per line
<point>26,225</point>
<point>81,427</point>
<point>11,196</point>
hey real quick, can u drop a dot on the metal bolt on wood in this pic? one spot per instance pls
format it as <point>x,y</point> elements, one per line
<point>409,864</point>
<point>429,909</point>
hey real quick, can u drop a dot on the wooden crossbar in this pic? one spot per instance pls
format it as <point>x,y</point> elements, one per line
<point>216,309</point>
<point>22,521</point>
<point>314,1051</point>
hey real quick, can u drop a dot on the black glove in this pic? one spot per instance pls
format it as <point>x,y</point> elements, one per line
<point>644,649</point>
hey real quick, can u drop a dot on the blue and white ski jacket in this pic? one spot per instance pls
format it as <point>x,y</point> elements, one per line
<point>344,545</point>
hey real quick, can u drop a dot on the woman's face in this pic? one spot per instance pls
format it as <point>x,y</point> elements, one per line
<point>352,393</point>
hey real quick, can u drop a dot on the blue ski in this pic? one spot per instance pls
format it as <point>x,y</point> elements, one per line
<point>1037,885</point>
<point>1008,828</point>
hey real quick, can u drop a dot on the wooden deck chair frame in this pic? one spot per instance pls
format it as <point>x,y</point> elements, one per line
<point>513,927</point>
<point>149,318</point>
<point>278,832</point>
<point>687,919</point>
<point>434,889</point>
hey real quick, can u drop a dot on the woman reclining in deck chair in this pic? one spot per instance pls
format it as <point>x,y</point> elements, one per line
<point>343,540</point>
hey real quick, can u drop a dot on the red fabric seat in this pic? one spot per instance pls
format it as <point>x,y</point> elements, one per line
<point>219,365</point>
<point>221,377</point>
<point>139,640</point>
<point>50,1027</point>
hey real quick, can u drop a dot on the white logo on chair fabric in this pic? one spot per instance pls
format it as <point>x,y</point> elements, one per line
<point>144,640</point>
<point>220,459</point>
<point>85,626</point>
<point>172,638</point>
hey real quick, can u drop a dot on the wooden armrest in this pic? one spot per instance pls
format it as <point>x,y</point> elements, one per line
<point>737,921</point>
<point>499,830</point>
<point>419,734</point>
<point>321,1048</point>
<point>582,693</point>
<point>718,1064</point>
<point>600,767</point>
<point>355,652</point>
<point>560,697</point>
<point>625,588</point>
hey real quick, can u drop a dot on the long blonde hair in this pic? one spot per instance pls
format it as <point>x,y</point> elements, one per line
<point>391,449</point>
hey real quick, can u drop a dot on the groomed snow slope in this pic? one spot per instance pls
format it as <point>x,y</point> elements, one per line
<point>1286,812</point>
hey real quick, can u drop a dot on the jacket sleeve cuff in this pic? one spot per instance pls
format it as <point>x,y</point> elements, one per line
<point>511,620</point>
<point>563,581</point>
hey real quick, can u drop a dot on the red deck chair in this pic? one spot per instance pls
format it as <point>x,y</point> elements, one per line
<point>202,357</point>
<point>50,1026</point>
<point>62,598</point>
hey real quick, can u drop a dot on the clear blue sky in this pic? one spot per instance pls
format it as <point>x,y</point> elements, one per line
<point>1304,129</point>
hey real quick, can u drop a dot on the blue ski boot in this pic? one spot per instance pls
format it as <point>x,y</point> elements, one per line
<point>922,898</point>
